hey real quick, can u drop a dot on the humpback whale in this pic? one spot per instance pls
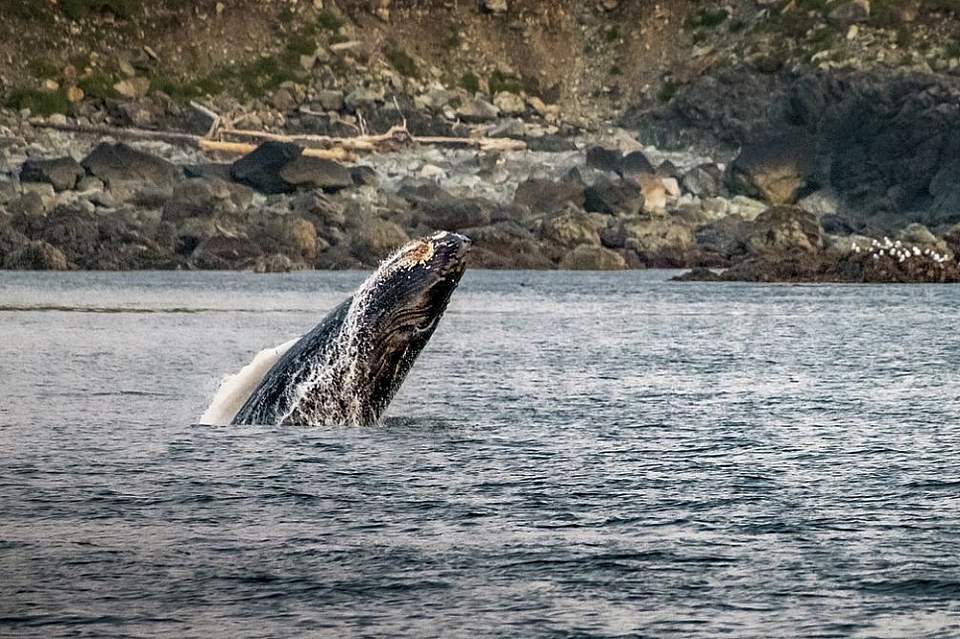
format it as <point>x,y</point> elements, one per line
<point>348,368</point>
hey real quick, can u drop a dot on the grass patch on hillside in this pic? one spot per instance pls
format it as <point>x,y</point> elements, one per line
<point>707,18</point>
<point>39,102</point>
<point>499,81</point>
<point>328,21</point>
<point>668,89</point>
<point>401,61</point>
<point>98,84</point>
<point>470,82</point>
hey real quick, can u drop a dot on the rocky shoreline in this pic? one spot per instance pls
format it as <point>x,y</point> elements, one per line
<point>596,203</point>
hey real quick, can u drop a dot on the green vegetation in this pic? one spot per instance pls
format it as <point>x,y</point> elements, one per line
<point>616,70</point>
<point>43,68</point>
<point>500,81</point>
<point>452,40</point>
<point>470,82</point>
<point>39,102</point>
<point>707,18</point>
<point>401,61</point>
<point>613,34</point>
<point>329,21</point>
<point>668,89</point>
<point>98,84</point>
<point>299,45</point>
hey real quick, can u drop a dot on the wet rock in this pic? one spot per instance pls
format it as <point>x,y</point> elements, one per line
<point>613,198</point>
<point>75,232</point>
<point>604,159</point>
<point>323,211</point>
<point>593,258</point>
<point>36,256</point>
<point>287,235</point>
<point>542,195</point>
<point>703,181</point>
<point>945,190</point>
<point>119,163</point>
<point>660,242</point>
<point>376,239</point>
<point>316,173</point>
<point>506,244</point>
<point>785,229</point>
<point>261,168</point>
<point>477,110</point>
<point>221,252</point>
<point>722,241</point>
<point>275,263</point>
<point>569,229</point>
<point>63,173</point>
<point>698,274</point>
<point>777,171</point>
<point>198,197</point>
<point>636,166</point>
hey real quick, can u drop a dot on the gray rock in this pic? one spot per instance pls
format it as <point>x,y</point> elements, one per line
<point>850,12</point>
<point>63,173</point>
<point>775,170</point>
<point>784,229</point>
<point>604,159</point>
<point>116,163</point>
<point>330,100</point>
<point>363,98</point>
<point>635,165</point>
<point>547,196</point>
<point>316,173</point>
<point>593,258</point>
<point>261,168</point>
<point>375,239</point>
<point>509,103</point>
<point>703,181</point>
<point>36,256</point>
<point>613,198</point>
<point>476,110</point>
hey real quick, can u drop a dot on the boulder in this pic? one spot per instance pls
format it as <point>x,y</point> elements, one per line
<point>330,100</point>
<point>375,239</point>
<point>198,197</point>
<point>222,252</point>
<point>494,6</point>
<point>362,98</point>
<point>777,171</point>
<point>509,103</point>
<point>261,168</point>
<point>660,242</point>
<point>569,229</point>
<point>36,256</point>
<point>920,236</point>
<point>654,194</point>
<point>547,196</point>
<point>593,258</point>
<point>613,198</point>
<point>119,163</point>
<point>63,173</point>
<point>476,110</point>
<point>132,88</point>
<point>849,12</point>
<point>506,244</point>
<point>364,175</point>
<point>316,173</point>
<point>636,166</point>
<point>945,189</point>
<point>785,229</point>
<point>703,181</point>
<point>604,159</point>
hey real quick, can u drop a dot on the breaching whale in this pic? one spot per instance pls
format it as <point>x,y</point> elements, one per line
<point>348,368</point>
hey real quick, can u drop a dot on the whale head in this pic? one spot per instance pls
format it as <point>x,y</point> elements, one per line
<point>399,307</point>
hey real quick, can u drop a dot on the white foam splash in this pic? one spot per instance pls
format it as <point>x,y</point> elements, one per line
<point>235,390</point>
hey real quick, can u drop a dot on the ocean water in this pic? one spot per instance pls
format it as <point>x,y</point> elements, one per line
<point>574,454</point>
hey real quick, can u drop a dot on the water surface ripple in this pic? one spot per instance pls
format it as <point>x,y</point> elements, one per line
<point>573,455</point>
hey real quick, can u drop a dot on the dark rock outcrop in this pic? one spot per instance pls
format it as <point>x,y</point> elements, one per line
<point>62,173</point>
<point>119,163</point>
<point>261,168</point>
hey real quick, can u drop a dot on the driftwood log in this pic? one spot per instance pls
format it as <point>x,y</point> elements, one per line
<point>223,138</point>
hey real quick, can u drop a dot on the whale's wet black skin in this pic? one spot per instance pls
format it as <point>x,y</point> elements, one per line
<point>348,368</point>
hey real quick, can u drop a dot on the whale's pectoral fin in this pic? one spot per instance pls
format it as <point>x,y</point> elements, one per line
<point>235,390</point>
